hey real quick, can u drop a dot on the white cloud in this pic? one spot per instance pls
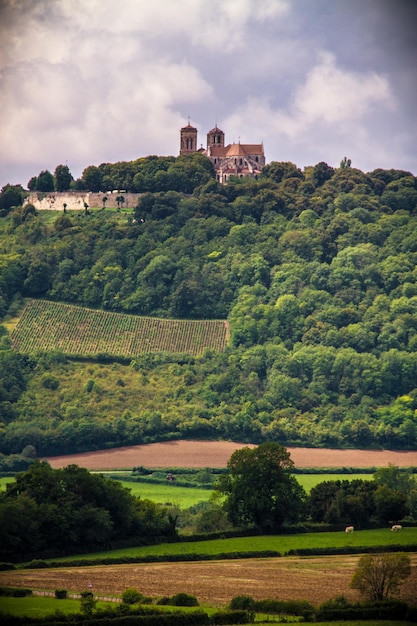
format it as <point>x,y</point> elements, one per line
<point>333,95</point>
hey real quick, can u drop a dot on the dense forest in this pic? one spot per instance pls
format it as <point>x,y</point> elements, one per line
<point>315,271</point>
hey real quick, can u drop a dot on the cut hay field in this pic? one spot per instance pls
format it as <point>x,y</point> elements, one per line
<point>76,331</point>
<point>316,579</point>
<point>215,454</point>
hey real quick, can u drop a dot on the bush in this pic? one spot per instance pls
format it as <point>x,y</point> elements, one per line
<point>15,592</point>
<point>341,609</point>
<point>21,593</point>
<point>232,617</point>
<point>184,599</point>
<point>50,382</point>
<point>6,566</point>
<point>60,594</point>
<point>36,564</point>
<point>132,596</point>
<point>302,608</point>
<point>243,603</point>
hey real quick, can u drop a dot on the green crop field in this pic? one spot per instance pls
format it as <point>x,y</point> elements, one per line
<point>76,331</point>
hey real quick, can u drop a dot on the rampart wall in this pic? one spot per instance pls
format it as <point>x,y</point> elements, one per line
<point>55,200</point>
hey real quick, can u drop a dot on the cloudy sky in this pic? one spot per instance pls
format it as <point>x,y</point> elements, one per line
<point>84,82</point>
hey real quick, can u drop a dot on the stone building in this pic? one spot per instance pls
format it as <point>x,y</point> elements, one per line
<point>235,159</point>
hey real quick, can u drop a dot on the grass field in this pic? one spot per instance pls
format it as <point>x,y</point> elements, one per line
<point>77,331</point>
<point>4,481</point>
<point>185,497</point>
<point>188,496</point>
<point>39,607</point>
<point>278,543</point>
<point>33,606</point>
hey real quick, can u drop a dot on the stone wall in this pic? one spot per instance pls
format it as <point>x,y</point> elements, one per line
<point>55,200</point>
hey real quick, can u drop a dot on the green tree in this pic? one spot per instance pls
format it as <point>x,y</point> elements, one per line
<point>395,478</point>
<point>45,181</point>
<point>10,196</point>
<point>260,489</point>
<point>91,178</point>
<point>63,178</point>
<point>391,505</point>
<point>379,576</point>
<point>87,604</point>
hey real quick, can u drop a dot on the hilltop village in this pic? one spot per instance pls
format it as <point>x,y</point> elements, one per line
<point>231,160</point>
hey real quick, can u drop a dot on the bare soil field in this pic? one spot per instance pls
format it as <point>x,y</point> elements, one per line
<point>316,579</point>
<point>216,454</point>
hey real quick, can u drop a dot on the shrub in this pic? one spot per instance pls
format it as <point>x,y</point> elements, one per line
<point>232,617</point>
<point>132,596</point>
<point>21,593</point>
<point>243,603</point>
<point>6,566</point>
<point>60,594</point>
<point>36,564</point>
<point>184,599</point>
<point>50,382</point>
<point>15,592</point>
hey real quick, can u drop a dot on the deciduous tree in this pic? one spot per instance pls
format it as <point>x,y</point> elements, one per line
<point>260,489</point>
<point>379,576</point>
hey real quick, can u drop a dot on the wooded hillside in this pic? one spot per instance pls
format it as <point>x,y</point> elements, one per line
<point>315,271</point>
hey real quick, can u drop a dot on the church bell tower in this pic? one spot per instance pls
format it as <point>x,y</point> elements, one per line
<point>188,143</point>
<point>215,137</point>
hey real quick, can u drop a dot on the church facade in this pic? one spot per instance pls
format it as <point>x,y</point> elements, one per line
<point>235,159</point>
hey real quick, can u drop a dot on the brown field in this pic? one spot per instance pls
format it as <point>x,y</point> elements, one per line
<point>316,579</point>
<point>217,453</point>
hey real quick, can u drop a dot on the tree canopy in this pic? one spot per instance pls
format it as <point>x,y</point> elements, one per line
<point>59,511</point>
<point>379,576</point>
<point>260,489</point>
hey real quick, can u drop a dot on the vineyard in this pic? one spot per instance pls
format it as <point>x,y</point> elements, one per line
<point>46,326</point>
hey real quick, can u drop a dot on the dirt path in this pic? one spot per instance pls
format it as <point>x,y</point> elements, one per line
<point>215,582</point>
<point>217,453</point>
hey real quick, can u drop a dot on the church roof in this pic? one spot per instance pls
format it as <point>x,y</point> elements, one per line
<point>218,151</point>
<point>188,127</point>
<point>215,130</point>
<point>236,150</point>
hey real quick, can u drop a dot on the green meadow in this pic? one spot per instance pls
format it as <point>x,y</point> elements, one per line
<point>186,497</point>
<point>40,607</point>
<point>37,607</point>
<point>381,537</point>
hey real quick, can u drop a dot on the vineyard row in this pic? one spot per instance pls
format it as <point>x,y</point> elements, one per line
<point>46,326</point>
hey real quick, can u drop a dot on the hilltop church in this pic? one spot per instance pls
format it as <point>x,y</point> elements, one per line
<point>235,159</point>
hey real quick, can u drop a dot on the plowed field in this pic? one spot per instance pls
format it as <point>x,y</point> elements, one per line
<point>316,579</point>
<point>217,453</point>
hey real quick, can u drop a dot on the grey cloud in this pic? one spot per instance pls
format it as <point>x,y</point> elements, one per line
<point>88,81</point>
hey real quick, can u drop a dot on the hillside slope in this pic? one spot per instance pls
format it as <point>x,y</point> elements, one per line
<point>315,272</point>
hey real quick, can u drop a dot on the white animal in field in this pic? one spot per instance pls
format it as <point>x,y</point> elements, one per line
<point>396,528</point>
<point>349,529</point>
